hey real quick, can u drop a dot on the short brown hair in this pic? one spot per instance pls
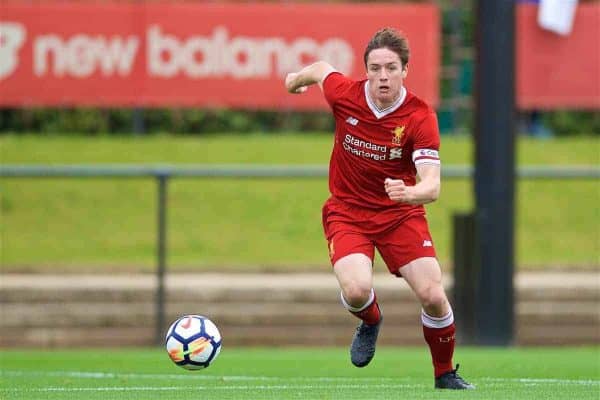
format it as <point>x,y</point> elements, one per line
<point>391,39</point>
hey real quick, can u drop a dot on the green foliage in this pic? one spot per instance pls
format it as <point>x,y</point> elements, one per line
<point>94,121</point>
<point>571,123</point>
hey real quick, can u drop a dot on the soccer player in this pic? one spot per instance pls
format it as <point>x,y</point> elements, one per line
<point>384,166</point>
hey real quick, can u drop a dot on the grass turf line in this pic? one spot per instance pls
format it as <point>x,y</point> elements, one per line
<point>283,373</point>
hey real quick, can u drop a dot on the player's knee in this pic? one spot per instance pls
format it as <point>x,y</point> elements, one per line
<point>357,293</point>
<point>432,297</point>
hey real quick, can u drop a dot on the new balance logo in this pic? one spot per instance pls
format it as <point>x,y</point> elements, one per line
<point>352,121</point>
<point>427,243</point>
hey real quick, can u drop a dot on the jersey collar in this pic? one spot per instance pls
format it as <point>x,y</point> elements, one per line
<point>380,113</point>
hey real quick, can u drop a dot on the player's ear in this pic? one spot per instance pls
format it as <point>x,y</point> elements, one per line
<point>405,71</point>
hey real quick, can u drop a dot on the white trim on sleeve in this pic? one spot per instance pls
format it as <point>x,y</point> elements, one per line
<point>332,70</point>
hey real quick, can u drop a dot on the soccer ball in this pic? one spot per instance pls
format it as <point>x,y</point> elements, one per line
<point>193,342</point>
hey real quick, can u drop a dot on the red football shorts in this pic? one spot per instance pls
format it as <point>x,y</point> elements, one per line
<point>350,230</point>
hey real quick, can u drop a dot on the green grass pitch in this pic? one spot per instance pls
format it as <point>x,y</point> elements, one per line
<point>298,373</point>
<point>91,225</point>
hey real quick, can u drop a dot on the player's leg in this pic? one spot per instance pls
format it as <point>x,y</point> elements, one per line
<point>408,251</point>
<point>354,274</point>
<point>355,277</point>
<point>424,276</point>
<point>351,256</point>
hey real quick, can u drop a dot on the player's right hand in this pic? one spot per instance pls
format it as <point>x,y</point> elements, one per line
<point>291,84</point>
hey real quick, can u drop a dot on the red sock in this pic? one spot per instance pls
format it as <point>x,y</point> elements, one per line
<point>371,315</point>
<point>441,341</point>
<point>369,312</point>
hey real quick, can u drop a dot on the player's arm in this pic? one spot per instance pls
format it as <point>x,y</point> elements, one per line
<point>297,82</point>
<point>425,191</point>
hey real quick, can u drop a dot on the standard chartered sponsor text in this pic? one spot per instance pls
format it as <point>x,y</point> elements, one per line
<point>357,147</point>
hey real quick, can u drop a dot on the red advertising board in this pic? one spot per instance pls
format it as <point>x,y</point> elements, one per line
<point>555,71</point>
<point>196,55</point>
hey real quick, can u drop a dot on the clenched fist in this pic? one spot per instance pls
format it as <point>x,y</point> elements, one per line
<point>398,191</point>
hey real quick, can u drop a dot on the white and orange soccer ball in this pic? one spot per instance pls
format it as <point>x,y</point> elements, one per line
<point>193,342</point>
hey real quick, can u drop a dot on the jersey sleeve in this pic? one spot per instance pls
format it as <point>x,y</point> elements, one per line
<point>427,141</point>
<point>335,86</point>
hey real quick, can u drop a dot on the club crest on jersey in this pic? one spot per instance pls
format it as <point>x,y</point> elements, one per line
<point>397,132</point>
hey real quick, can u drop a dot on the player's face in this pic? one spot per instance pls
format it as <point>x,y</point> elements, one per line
<point>385,73</point>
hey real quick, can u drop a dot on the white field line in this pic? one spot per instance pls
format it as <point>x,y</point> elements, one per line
<point>220,388</point>
<point>111,375</point>
<point>202,388</point>
<point>311,382</point>
<point>590,382</point>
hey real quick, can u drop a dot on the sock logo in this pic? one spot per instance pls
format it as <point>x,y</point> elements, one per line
<point>447,339</point>
<point>12,36</point>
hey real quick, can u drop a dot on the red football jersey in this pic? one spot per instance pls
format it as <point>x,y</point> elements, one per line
<point>372,144</point>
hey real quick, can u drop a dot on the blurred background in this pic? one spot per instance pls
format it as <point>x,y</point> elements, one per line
<point>153,165</point>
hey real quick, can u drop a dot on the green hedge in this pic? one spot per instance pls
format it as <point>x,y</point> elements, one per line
<point>94,121</point>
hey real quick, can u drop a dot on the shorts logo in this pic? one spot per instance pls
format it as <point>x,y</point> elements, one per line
<point>427,243</point>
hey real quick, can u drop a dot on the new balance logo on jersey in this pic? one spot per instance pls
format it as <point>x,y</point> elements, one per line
<point>395,152</point>
<point>427,243</point>
<point>352,121</point>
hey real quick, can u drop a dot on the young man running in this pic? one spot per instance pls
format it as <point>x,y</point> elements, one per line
<point>384,167</point>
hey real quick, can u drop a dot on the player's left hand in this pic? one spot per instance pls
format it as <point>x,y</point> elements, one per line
<point>398,191</point>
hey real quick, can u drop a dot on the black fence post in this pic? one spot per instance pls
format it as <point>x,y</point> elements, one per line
<point>138,123</point>
<point>495,174</point>
<point>161,257</point>
<point>466,276</point>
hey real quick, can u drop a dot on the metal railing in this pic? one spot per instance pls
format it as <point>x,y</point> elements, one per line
<point>259,171</point>
<point>162,173</point>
